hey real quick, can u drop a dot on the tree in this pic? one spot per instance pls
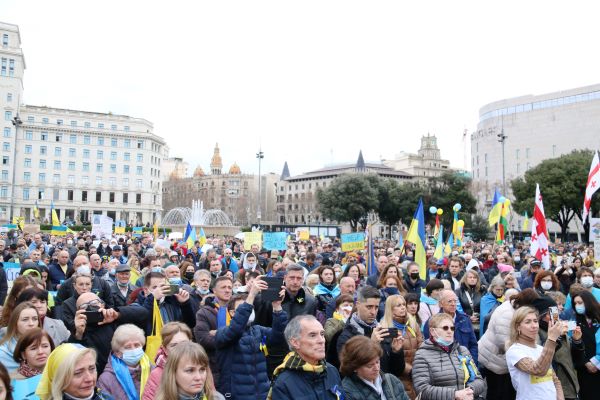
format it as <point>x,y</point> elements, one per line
<point>562,183</point>
<point>349,198</point>
<point>479,228</point>
<point>447,190</point>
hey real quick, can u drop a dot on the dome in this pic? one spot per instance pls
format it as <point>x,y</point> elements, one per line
<point>235,169</point>
<point>198,171</point>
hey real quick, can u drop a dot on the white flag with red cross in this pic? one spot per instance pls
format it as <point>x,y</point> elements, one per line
<point>539,231</point>
<point>593,182</point>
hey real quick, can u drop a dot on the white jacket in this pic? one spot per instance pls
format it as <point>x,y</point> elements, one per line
<point>492,344</point>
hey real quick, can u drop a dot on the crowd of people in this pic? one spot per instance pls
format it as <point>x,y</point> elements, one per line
<point>125,318</point>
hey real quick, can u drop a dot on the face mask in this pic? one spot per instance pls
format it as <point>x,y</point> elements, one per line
<point>69,242</point>
<point>250,266</point>
<point>587,281</point>
<point>203,292</point>
<point>337,274</point>
<point>580,309</point>
<point>414,275</point>
<point>84,269</point>
<point>517,259</point>
<point>157,269</point>
<point>81,247</point>
<point>175,281</point>
<point>133,357</point>
<point>391,290</point>
<point>189,276</point>
<point>122,284</point>
<point>546,285</point>
<point>444,342</point>
<point>112,271</point>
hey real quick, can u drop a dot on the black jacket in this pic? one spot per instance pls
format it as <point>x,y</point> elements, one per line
<point>464,299</point>
<point>100,287</point>
<point>3,284</point>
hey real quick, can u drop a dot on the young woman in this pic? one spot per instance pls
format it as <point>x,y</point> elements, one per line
<point>327,288</point>
<point>469,294</point>
<point>587,315</point>
<point>32,352</point>
<point>389,270</point>
<point>529,364</point>
<point>19,284</point>
<point>54,327</point>
<point>172,334</point>
<point>412,308</point>
<point>186,375</point>
<point>5,388</point>
<point>187,271</point>
<point>23,319</point>
<point>353,271</point>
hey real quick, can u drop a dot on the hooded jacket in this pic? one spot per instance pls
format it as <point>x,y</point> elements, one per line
<point>492,350</point>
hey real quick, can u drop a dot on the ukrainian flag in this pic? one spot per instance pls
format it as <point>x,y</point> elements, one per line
<point>202,238</point>
<point>496,209</point>
<point>59,230</point>
<point>439,249</point>
<point>416,235</point>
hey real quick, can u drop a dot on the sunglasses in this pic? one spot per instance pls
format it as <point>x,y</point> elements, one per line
<point>446,328</point>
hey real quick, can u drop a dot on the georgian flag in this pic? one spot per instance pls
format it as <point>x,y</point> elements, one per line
<point>539,232</point>
<point>593,182</point>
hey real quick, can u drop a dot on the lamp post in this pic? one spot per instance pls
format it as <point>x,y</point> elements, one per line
<point>260,155</point>
<point>502,138</point>
<point>16,121</point>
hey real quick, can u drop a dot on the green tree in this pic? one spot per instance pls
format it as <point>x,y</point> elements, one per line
<point>478,227</point>
<point>349,198</point>
<point>562,183</point>
<point>447,190</point>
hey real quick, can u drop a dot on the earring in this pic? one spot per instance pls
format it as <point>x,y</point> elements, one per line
<point>519,332</point>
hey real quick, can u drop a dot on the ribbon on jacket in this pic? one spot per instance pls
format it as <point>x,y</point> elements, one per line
<point>469,368</point>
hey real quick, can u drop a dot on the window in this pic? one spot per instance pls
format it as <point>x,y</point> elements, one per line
<point>31,119</point>
<point>73,124</point>
<point>27,163</point>
<point>28,135</point>
<point>43,150</point>
<point>98,197</point>
<point>113,142</point>
<point>113,127</point>
<point>139,184</point>
<point>57,151</point>
<point>127,156</point>
<point>113,155</point>
<point>5,160</point>
<point>42,177</point>
<point>87,124</point>
<point>71,165</point>
<point>4,175</point>
<point>84,195</point>
<point>27,176</point>
<point>3,73</point>
<point>58,138</point>
<point>57,164</point>
<point>140,144</point>
<point>72,152</point>
<point>127,143</point>
<point>28,149</point>
<point>7,115</point>
<point>71,179</point>
<point>6,146</point>
<point>100,141</point>
<point>98,180</point>
<point>8,97</point>
<point>5,40</point>
<point>45,121</point>
<point>4,192</point>
<point>69,195</point>
<point>86,153</point>
<point>99,167</point>
<point>138,198</point>
<point>73,139</point>
<point>125,169</point>
<point>125,198</point>
<point>100,125</point>
<point>59,122</point>
<point>126,182</point>
<point>87,139</point>
<point>138,170</point>
<point>126,128</point>
<point>44,136</point>
<point>111,197</point>
<point>85,167</point>
<point>99,154</point>
<point>41,194</point>
<point>112,181</point>
<point>11,67</point>
<point>55,194</point>
<point>113,168</point>
<point>7,132</point>
<point>25,193</point>
<point>85,180</point>
<point>140,157</point>
<point>42,164</point>
<point>56,178</point>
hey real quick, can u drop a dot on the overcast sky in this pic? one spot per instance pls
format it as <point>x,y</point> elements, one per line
<point>313,82</point>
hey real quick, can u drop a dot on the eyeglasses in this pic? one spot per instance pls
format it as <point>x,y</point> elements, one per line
<point>447,327</point>
<point>92,303</point>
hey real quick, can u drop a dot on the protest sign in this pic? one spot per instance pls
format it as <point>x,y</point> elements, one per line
<point>594,229</point>
<point>303,234</point>
<point>353,241</point>
<point>274,240</point>
<point>24,389</point>
<point>102,226</point>
<point>251,238</point>
<point>120,227</point>
<point>137,231</point>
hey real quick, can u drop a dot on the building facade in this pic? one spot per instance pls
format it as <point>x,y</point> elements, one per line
<point>297,195</point>
<point>235,193</point>
<point>534,128</point>
<point>83,163</point>
<point>174,167</point>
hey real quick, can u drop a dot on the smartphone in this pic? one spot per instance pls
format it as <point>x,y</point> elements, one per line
<point>274,285</point>
<point>392,333</point>
<point>173,289</point>
<point>93,317</point>
<point>554,314</point>
<point>571,325</point>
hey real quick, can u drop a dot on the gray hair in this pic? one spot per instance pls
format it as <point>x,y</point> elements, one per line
<point>497,281</point>
<point>201,272</point>
<point>124,333</point>
<point>294,267</point>
<point>293,330</point>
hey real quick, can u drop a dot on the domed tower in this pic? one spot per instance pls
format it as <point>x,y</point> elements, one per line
<point>198,172</point>
<point>235,169</point>
<point>216,164</point>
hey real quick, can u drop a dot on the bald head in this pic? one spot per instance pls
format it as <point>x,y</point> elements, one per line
<point>63,257</point>
<point>79,261</point>
<point>172,271</point>
<point>347,285</point>
<point>448,301</point>
<point>86,298</point>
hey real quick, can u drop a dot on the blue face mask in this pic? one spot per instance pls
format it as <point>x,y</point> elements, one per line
<point>391,290</point>
<point>133,357</point>
<point>580,309</point>
<point>444,342</point>
<point>175,281</point>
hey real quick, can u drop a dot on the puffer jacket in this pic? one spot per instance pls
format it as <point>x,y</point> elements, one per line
<point>356,389</point>
<point>206,321</point>
<point>108,382</point>
<point>242,363</point>
<point>492,351</point>
<point>437,375</point>
<point>410,347</point>
<point>464,333</point>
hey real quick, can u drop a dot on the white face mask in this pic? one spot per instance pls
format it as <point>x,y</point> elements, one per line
<point>546,285</point>
<point>587,281</point>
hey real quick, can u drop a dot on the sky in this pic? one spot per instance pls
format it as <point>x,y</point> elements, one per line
<point>309,82</point>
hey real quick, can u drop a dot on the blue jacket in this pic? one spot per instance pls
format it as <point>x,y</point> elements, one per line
<point>6,355</point>
<point>300,385</point>
<point>233,265</point>
<point>56,274</point>
<point>463,334</point>
<point>242,364</point>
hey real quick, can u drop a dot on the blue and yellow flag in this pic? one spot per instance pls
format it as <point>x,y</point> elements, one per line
<point>439,248</point>
<point>191,239</point>
<point>496,209</point>
<point>416,235</point>
<point>202,238</point>
<point>59,230</point>
<point>223,316</point>
<point>36,210</point>
<point>371,265</point>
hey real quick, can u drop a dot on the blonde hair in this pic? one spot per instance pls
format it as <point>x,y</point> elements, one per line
<point>64,374</point>
<point>436,320</point>
<point>520,314</point>
<point>388,317</point>
<point>189,351</point>
<point>173,328</point>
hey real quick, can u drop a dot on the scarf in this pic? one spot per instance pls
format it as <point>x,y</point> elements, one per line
<point>331,290</point>
<point>27,371</point>
<point>223,316</point>
<point>404,327</point>
<point>124,376</point>
<point>294,362</point>
<point>362,323</point>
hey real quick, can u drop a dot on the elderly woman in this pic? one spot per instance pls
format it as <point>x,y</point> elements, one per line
<point>23,319</point>
<point>444,370</point>
<point>529,364</point>
<point>492,299</point>
<point>70,374</point>
<point>363,379</point>
<point>32,352</point>
<point>128,367</point>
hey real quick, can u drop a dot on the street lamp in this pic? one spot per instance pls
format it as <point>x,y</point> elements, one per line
<point>16,121</point>
<point>502,138</point>
<point>260,155</point>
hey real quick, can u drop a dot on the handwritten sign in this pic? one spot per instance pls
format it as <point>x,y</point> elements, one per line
<point>102,226</point>
<point>251,238</point>
<point>353,241</point>
<point>275,240</point>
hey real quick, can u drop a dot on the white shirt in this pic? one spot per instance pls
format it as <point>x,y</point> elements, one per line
<point>529,387</point>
